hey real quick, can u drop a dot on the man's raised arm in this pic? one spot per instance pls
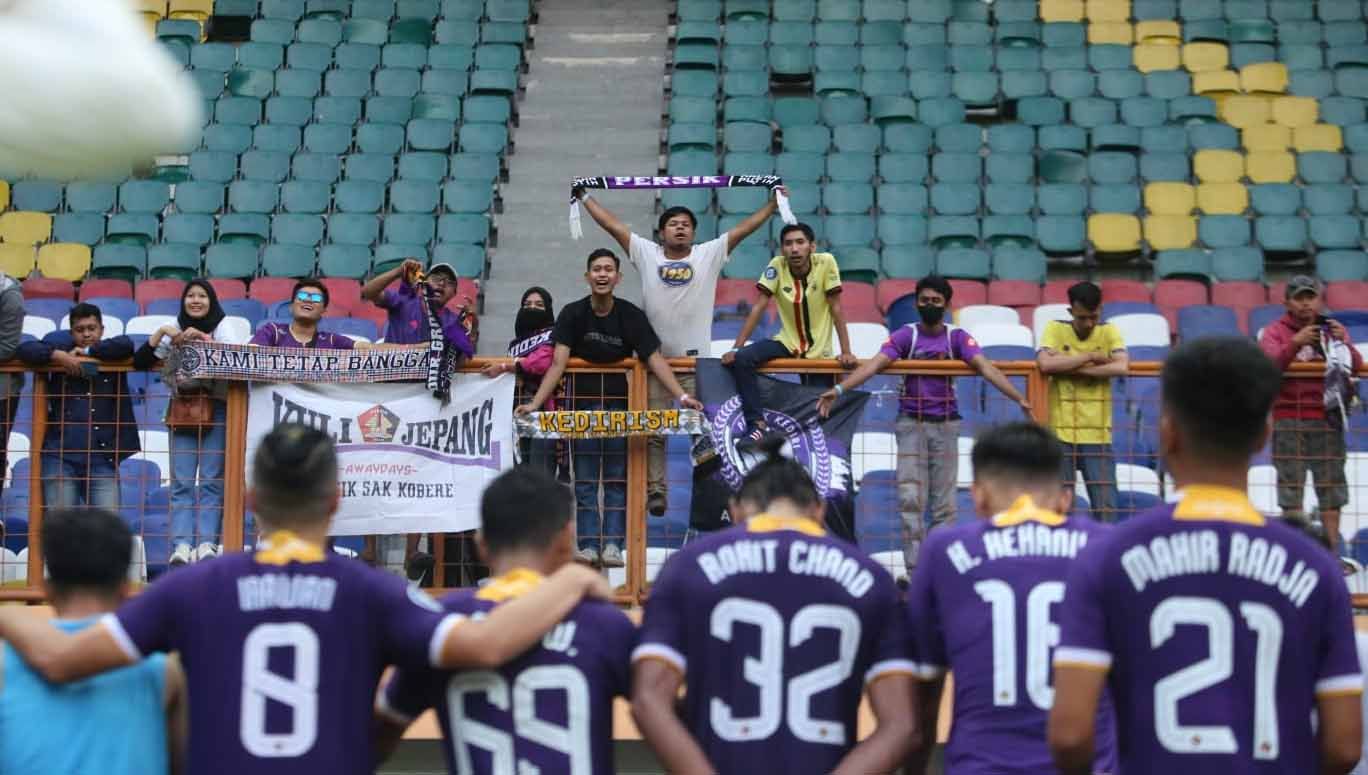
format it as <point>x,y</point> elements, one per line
<point>608,221</point>
<point>753,221</point>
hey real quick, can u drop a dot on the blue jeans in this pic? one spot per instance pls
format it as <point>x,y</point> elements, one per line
<point>600,461</point>
<point>197,510</point>
<point>748,359</point>
<point>90,482</point>
<point>1099,475</point>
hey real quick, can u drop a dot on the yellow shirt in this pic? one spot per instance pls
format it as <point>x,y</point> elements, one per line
<point>804,313</point>
<point>1080,407</point>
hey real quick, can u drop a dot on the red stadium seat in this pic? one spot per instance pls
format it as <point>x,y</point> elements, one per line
<point>730,291</point>
<point>1014,293</point>
<point>374,314</point>
<point>1347,294</point>
<point>150,290</point>
<point>1171,295</point>
<point>1276,291</point>
<point>95,288</point>
<point>48,288</point>
<point>344,294</point>
<point>889,291</point>
<point>1241,296</point>
<point>1057,292</point>
<point>1124,290</point>
<point>269,290</point>
<point>967,292</point>
<point>229,288</point>
<point>858,302</point>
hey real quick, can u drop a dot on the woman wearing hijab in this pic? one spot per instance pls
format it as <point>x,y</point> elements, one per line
<point>197,433</point>
<point>531,351</point>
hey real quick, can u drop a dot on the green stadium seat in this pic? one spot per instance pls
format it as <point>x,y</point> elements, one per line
<point>1114,198</point>
<point>1111,167</point>
<point>389,255</point>
<point>1335,231</point>
<point>745,32</point>
<point>253,196</point>
<point>184,31</point>
<point>347,83</point>
<point>493,82</point>
<point>959,138</point>
<point>1238,264</point>
<point>903,230</point>
<point>696,199</point>
<point>745,136</point>
<point>82,228</point>
<point>380,138</point>
<point>785,64</point>
<point>124,262</point>
<point>215,166</point>
<point>463,228</point>
<point>1323,83</point>
<point>1010,167</point>
<point>425,166</point>
<point>88,197</point>
<point>1329,199</point>
<point>275,137</point>
<point>813,138</point>
<point>475,138</point>
<point>1281,233</point>
<point>1053,58</point>
<point>467,260</point>
<point>318,30</point>
<point>309,57</point>
<point>415,196</point>
<point>1040,111</point>
<point>389,110</point>
<point>850,167</point>
<point>699,30</point>
<point>289,111</point>
<point>956,198</point>
<point>907,261</point>
<point>1009,198</point>
<point>454,32</point>
<point>464,197</point>
<point>929,84</point>
<point>300,230</point>
<point>944,231</point>
<point>375,167</point>
<point>272,166</point>
<point>1337,265</point>
<point>316,167</point>
<point>1165,167</point>
<point>847,198</point>
<point>1116,137</point>
<point>1223,231</point>
<point>751,163</point>
<point>1321,167</point>
<point>1072,84</point>
<point>857,138</point>
<point>171,260</point>
<point>705,56</point>
<point>903,167</point>
<point>36,195</point>
<point>957,167</point>
<point>737,83</point>
<point>416,9</point>
<point>486,109</point>
<point>237,110</point>
<point>412,228</point>
<point>963,263</point>
<point>302,196</point>
<point>700,109</point>
<point>262,55</point>
<point>747,262</point>
<point>1062,198</point>
<point>132,228</point>
<point>237,260</point>
<point>475,166</point>
<point>892,111</point>
<point>251,228</point>
<point>1120,85</point>
<point>344,260</point>
<point>1092,111</point>
<point>213,56</point>
<point>1220,136</point>
<point>739,200</point>
<point>685,136</point>
<point>359,196</point>
<point>397,82</point>
<point>1014,263</point>
<point>694,83</point>
<point>337,110</point>
<point>232,138</point>
<point>364,56</point>
<point>415,56</point>
<point>1275,198</point>
<point>1064,234</point>
<point>246,82</point>
<point>1184,263</point>
<point>837,110</point>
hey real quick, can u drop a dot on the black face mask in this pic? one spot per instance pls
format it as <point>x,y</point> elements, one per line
<point>530,320</point>
<point>930,314</point>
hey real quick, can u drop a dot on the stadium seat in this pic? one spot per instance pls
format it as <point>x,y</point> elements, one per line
<point>1199,320</point>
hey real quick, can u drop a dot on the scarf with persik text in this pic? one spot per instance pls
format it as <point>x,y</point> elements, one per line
<point>772,182</point>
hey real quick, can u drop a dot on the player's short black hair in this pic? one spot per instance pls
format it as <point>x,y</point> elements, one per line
<point>86,549</point>
<point>311,282</point>
<point>936,283</point>
<point>82,311</point>
<point>1019,451</point>
<point>671,212</point>
<point>294,475</point>
<point>1220,389</point>
<point>803,227</point>
<point>1085,294</point>
<point>524,508</point>
<point>778,477</point>
<point>602,253</point>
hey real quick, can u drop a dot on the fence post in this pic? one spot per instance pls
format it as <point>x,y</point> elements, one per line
<point>235,467</point>
<point>637,451</point>
<point>35,542</point>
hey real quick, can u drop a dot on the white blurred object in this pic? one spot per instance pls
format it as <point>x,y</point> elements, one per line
<point>1047,313</point>
<point>994,334</point>
<point>866,339</point>
<point>1143,329</point>
<point>978,314</point>
<point>88,93</point>
<point>38,327</point>
<point>872,451</point>
<point>148,324</point>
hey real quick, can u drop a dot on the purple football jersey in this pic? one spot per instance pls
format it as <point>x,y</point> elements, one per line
<point>549,710</point>
<point>777,628</point>
<point>1219,627</point>
<point>983,603</point>
<point>282,656</point>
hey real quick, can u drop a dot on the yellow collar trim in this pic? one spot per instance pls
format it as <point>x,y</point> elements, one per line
<point>1024,509</point>
<point>514,583</point>
<point>284,547</point>
<point>1205,502</point>
<point>765,523</point>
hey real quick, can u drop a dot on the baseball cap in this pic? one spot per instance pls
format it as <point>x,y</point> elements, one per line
<point>1301,284</point>
<point>443,266</point>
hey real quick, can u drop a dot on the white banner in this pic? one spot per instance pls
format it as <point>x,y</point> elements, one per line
<point>406,463</point>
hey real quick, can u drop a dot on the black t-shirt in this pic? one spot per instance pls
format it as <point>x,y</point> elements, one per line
<point>604,339</point>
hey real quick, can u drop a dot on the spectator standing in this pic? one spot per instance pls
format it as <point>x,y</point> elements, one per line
<point>1305,437</point>
<point>601,328</point>
<point>197,446</point>
<point>11,385</point>
<point>678,285</point>
<point>308,300</point>
<point>928,424</point>
<point>531,351</point>
<point>91,427</point>
<point>1081,358</point>
<point>806,287</point>
<point>133,720</point>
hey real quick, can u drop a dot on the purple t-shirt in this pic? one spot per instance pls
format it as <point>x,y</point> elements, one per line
<point>282,658</point>
<point>1219,628</point>
<point>777,627</point>
<point>983,603</point>
<point>278,335</point>
<point>408,321</point>
<point>929,396</point>
<point>488,724</point>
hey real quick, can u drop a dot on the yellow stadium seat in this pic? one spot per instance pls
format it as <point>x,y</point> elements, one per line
<point>1061,10</point>
<point>1295,111</point>
<point>1213,83</point>
<point>1271,167</point>
<point>1317,137</point>
<point>1117,33</point>
<point>157,7</point>
<point>4,195</point>
<point>25,228</point>
<point>1170,232</point>
<point>196,10</point>
<point>1155,31</point>
<point>16,260</point>
<point>1170,198</point>
<point>1149,57</point>
<point>1268,77</point>
<point>1245,110</point>
<point>1222,198</point>
<point>1203,56</point>
<point>1108,10</point>
<point>1214,165</point>
<point>64,260</point>
<point>1114,232</point>
<point>1266,137</point>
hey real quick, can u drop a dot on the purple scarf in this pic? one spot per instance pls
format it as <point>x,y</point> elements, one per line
<point>578,185</point>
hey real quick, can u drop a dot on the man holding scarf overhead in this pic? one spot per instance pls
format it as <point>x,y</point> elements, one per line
<point>418,315</point>
<point>678,283</point>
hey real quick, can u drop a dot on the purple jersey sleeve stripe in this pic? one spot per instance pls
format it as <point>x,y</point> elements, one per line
<point>890,667</point>
<point>662,652</point>
<point>120,635</point>
<point>1072,656</point>
<point>439,637</point>
<point>1340,684</point>
<point>385,708</point>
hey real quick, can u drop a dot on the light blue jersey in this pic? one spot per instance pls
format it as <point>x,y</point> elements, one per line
<point>109,724</point>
